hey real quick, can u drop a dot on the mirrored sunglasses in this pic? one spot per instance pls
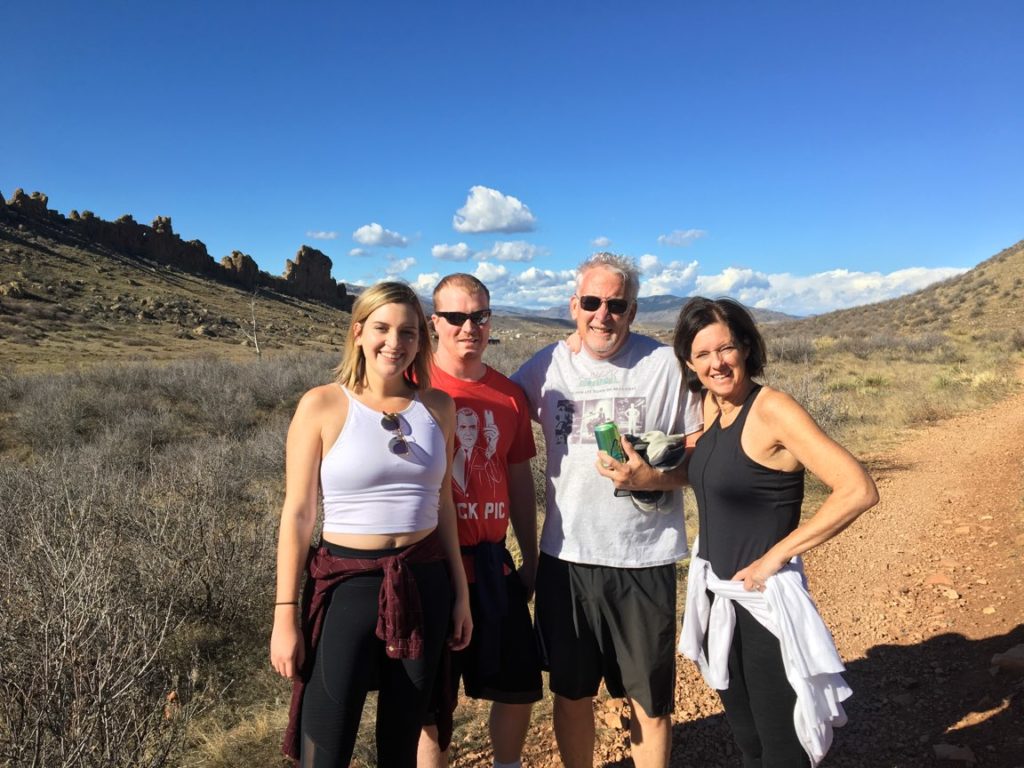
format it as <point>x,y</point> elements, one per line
<point>480,317</point>
<point>397,445</point>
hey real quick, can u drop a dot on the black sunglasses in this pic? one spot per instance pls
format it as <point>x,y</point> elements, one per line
<point>593,303</point>
<point>480,317</point>
<point>391,423</point>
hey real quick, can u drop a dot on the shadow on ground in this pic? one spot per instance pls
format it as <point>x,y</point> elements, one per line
<point>907,700</point>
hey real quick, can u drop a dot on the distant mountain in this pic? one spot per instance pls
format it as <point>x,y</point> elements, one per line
<point>652,311</point>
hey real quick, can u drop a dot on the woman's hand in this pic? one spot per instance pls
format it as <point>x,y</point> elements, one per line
<point>574,342</point>
<point>462,624</point>
<point>633,474</point>
<point>757,573</point>
<point>287,650</point>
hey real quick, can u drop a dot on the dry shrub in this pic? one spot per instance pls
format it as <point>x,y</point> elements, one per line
<point>83,674</point>
<point>928,345</point>
<point>796,348</point>
<point>136,553</point>
<point>512,352</point>
<point>810,388</point>
<point>864,346</point>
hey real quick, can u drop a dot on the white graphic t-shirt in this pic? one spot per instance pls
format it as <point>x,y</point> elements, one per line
<point>640,389</point>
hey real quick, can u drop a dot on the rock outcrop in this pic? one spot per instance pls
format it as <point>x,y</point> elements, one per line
<point>33,205</point>
<point>307,276</point>
<point>241,269</point>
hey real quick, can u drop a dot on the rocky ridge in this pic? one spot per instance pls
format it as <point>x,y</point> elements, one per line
<point>307,276</point>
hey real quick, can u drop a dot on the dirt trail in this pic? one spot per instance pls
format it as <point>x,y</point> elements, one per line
<point>920,593</point>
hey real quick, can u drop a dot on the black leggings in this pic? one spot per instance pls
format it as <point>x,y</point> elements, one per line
<point>759,701</point>
<point>350,661</point>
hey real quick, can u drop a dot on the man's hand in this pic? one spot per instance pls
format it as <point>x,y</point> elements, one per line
<point>528,578</point>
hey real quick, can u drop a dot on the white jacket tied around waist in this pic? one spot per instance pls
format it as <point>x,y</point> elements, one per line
<point>786,610</point>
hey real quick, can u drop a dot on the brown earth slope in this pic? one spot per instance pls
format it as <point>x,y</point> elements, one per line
<point>921,593</point>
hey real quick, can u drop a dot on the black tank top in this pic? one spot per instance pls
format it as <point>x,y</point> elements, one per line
<point>744,507</point>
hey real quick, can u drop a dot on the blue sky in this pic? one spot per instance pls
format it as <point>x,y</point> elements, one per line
<point>802,156</point>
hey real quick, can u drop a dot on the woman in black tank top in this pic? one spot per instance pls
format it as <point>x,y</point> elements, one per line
<point>747,471</point>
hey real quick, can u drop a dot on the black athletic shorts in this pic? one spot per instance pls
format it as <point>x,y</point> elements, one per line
<point>517,679</point>
<point>619,624</point>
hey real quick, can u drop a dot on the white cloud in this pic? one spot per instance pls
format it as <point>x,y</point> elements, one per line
<point>680,238</point>
<point>425,282</point>
<point>649,264</point>
<point>535,277</point>
<point>502,250</point>
<point>490,273</point>
<point>732,280</point>
<point>321,234</point>
<point>488,210</point>
<point>539,288</point>
<point>512,250</point>
<point>398,266</point>
<point>601,242</point>
<point>359,252</point>
<point>820,292</point>
<point>675,278</point>
<point>374,234</point>
<point>457,252</point>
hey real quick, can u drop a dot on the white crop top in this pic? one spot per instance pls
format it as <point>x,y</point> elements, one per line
<point>369,489</point>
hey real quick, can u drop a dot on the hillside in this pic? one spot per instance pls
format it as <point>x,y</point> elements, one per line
<point>78,290</point>
<point>987,300</point>
<point>65,304</point>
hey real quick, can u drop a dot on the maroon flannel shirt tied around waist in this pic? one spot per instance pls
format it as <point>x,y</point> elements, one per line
<point>399,620</point>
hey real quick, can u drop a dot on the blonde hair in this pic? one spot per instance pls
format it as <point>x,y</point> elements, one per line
<point>351,371</point>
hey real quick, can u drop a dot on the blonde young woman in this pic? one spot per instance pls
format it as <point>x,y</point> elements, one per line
<point>386,585</point>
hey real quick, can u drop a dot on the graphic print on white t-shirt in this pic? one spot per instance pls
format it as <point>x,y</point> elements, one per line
<point>628,413</point>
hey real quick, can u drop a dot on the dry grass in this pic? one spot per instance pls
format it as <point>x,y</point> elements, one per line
<point>168,478</point>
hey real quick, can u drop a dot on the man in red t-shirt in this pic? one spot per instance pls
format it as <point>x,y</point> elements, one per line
<point>492,486</point>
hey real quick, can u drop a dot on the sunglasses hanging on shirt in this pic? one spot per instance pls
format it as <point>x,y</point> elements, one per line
<point>397,444</point>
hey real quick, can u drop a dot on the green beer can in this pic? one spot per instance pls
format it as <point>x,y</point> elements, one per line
<point>607,435</point>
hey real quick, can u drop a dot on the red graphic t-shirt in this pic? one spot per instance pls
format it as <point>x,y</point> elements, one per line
<point>492,430</point>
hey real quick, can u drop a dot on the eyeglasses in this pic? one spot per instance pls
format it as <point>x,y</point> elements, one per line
<point>593,303</point>
<point>397,444</point>
<point>480,317</point>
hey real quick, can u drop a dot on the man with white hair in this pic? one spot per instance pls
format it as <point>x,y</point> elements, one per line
<point>606,581</point>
